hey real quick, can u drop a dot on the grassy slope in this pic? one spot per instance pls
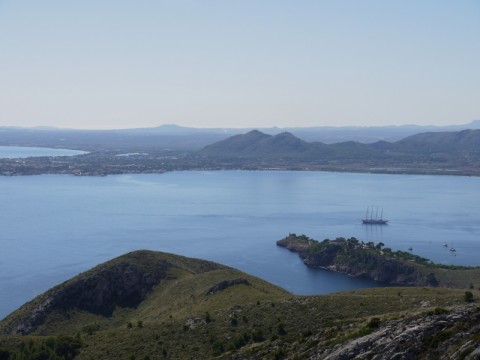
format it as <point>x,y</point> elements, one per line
<point>458,278</point>
<point>183,291</point>
<point>258,320</point>
<point>286,322</point>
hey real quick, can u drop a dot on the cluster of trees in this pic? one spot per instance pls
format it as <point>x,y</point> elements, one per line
<point>60,347</point>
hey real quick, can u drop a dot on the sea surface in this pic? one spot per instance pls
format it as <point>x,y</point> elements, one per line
<point>12,152</point>
<point>55,226</point>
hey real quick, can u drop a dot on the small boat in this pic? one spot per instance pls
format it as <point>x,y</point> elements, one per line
<point>370,220</point>
<point>452,249</point>
<point>410,248</point>
<point>445,245</point>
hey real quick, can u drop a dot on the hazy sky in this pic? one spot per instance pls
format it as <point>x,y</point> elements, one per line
<point>243,63</point>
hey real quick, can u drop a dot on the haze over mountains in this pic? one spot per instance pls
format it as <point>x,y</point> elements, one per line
<point>256,144</point>
<point>184,138</point>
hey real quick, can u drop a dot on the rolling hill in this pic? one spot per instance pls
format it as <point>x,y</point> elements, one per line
<point>128,281</point>
<point>151,305</point>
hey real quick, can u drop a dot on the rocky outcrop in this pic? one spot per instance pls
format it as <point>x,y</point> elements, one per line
<point>449,335</point>
<point>122,282</point>
<point>446,334</point>
<point>100,292</point>
<point>225,284</point>
<point>356,258</point>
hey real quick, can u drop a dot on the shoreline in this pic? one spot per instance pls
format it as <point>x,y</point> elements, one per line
<point>376,262</point>
<point>59,166</point>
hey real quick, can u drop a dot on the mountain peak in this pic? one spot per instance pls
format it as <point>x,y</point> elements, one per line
<point>257,144</point>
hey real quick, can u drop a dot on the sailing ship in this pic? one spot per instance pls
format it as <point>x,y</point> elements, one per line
<point>370,220</point>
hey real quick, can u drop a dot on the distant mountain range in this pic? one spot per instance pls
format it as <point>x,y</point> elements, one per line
<point>186,138</point>
<point>256,144</point>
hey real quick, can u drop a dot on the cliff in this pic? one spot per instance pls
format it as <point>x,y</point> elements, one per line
<point>356,258</point>
<point>121,283</point>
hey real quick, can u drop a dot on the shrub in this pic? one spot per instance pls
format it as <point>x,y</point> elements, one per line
<point>90,329</point>
<point>241,340</point>
<point>440,311</point>
<point>439,337</point>
<point>373,323</point>
<point>468,296</point>
<point>218,347</point>
<point>307,333</point>
<point>208,318</point>
<point>279,353</point>
<point>257,335</point>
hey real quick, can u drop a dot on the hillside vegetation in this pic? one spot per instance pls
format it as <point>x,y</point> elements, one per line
<point>374,261</point>
<point>150,305</point>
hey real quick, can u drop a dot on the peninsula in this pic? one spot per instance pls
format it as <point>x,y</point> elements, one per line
<point>379,263</point>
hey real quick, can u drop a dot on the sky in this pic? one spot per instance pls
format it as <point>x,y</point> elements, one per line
<point>104,64</point>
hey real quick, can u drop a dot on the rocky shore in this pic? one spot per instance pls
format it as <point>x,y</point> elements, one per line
<point>356,258</point>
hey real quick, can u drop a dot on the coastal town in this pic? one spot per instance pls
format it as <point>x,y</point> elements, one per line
<point>110,162</point>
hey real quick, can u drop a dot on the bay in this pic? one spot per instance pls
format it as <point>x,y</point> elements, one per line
<point>55,226</point>
<point>19,152</point>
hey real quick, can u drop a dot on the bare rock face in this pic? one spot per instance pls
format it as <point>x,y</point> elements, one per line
<point>429,337</point>
<point>122,282</point>
<point>227,283</point>
<point>123,285</point>
<point>99,292</point>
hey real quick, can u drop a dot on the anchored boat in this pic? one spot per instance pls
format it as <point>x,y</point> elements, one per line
<point>370,220</point>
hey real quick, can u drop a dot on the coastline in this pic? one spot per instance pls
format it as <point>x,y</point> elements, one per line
<point>102,164</point>
<point>373,261</point>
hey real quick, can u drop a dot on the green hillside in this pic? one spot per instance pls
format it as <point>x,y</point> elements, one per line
<point>110,292</point>
<point>150,305</point>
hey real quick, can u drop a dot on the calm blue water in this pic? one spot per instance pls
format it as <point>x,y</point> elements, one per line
<point>55,226</point>
<point>13,152</point>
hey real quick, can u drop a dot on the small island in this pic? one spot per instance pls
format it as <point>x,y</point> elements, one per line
<point>379,263</point>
